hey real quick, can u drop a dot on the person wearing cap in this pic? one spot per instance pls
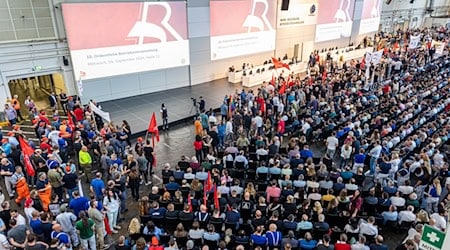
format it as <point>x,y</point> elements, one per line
<point>55,175</point>
<point>18,180</point>
<point>67,219</point>
<point>44,189</point>
<point>70,179</point>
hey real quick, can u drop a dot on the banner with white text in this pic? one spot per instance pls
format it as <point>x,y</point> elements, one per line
<point>242,27</point>
<point>370,16</point>
<point>299,13</point>
<point>107,39</point>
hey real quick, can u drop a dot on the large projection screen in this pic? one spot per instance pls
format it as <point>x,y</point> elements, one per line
<point>107,39</point>
<point>242,27</point>
<point>370,17</point>
<point>335,19</point>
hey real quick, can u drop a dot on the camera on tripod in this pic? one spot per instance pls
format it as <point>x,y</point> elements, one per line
<point>194,101</point>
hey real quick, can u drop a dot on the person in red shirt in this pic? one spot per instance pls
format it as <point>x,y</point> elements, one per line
<point>342,244</point>
<point>45,146</point>
<point>198,146</point>
<point>78,113</point>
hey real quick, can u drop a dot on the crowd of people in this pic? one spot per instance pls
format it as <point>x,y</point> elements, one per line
<point>259,179</point>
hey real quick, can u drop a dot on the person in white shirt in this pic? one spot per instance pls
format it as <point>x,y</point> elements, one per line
<point>360,244</point>
<point>406,188</point>
<point>441,222</point>
<point>407,215</point>
<point>374,153</point>
<point>397,200</point>
<point>229,130</point>
<point>368,227</point>
<point>332,143</point>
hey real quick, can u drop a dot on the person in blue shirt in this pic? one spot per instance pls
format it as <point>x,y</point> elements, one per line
<point>78,203</point>
<point>156,211</point>
<point>258,239</point>
<point>273,236</point>
<point>36,224</point>
<point>308,243</point>
<point>98,186</point>
<point>64,238</point>
<point>172,185</point>
<point>221,132</point>
<point>306,153</point>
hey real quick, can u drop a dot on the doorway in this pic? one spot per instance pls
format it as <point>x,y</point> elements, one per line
<point>38,88</point>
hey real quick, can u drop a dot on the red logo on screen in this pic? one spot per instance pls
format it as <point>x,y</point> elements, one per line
<point>144,29</point>
<point>259,22</point>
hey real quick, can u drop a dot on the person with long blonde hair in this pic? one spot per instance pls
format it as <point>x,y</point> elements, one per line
<point>434,192</point>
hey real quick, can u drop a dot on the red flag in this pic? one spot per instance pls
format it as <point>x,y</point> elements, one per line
<point>190,203</point>
<point>70,121</point>
<point>283,88</point>
<point>272,82</point>
<point>216,197</point>
<point>27,151</point>
<point>153,128</point>
<point>205,197</point>
<point>208,184</point>
<point>277,64</point>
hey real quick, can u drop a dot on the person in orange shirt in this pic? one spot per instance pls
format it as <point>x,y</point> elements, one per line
<point>16,105</point>
<point>198,126</point>
<point>44,189</point>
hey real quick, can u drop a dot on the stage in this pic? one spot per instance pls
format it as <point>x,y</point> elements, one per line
<point>137,110</point>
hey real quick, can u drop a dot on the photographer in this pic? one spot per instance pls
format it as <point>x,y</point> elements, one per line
<point>201,104</point>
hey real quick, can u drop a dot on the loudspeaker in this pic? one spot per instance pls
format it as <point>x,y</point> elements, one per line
<point>65,61</point>
<point>285,5</point>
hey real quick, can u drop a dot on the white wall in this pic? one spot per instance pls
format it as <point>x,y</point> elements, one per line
<point>17,59</point>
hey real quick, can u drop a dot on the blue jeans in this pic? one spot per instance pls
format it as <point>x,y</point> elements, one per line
<point>70,191</point>
<point>123,199</point>
<point>372,164</point>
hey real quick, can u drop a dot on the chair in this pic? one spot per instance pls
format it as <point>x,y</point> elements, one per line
<point>263,158</point>
<point>251,174</point>
<point>187,224</point>
<point>144,219</point>
<point>239,165</point>
<point>232,226</point>
<point>253,157</point>
<point>217,225</point>
<point>181,241</point>
<point>148,237</point>
<point>262,177</point>
<point>159,221</point>
<point>164,239</point>
<point>170,224</point>
<point>212,244</point>
<point>369,239</point>
<point>135,237</point>
<point>318,234</point>
<point>301,233</point>
<point>275,177</point>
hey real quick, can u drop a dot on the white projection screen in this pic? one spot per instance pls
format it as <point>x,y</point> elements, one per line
<point>242,27</point>
<point>335,19</point>
<point>370,17</point>
<point>107,39</point>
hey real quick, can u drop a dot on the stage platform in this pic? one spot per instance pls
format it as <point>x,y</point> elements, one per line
<point>137,110</point>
